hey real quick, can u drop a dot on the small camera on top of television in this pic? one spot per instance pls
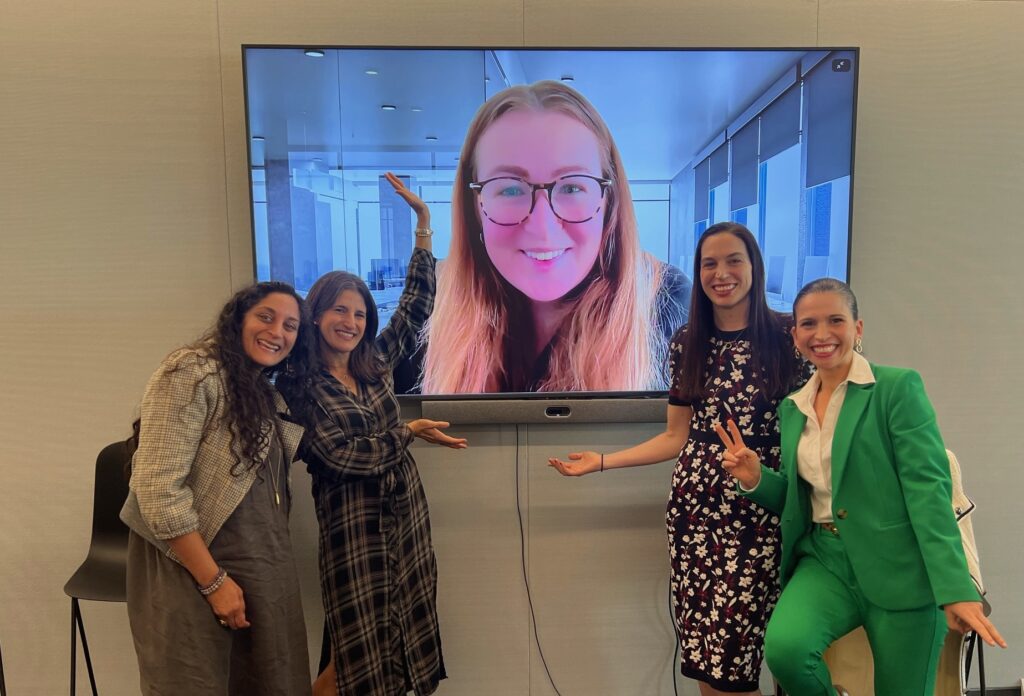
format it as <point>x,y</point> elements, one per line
<point>841,65</point>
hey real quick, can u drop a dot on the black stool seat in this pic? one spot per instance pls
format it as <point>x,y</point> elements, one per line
<point>100,578</point>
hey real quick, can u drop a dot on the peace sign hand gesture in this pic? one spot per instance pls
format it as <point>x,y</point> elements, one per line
<point>742,463</point>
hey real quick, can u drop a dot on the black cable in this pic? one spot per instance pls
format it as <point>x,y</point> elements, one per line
<point>526,579</point>
<point>675,631</point>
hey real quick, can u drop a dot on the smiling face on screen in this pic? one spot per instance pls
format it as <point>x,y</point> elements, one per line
<point>544,256</point>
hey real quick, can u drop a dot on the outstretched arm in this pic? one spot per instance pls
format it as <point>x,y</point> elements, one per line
<point>433,432</point>
<point>923,469</point>
<point>663,446</point>
<point>338,455</point>
<point>400,338</point>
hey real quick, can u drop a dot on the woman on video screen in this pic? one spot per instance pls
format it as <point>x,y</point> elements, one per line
<point>545,287</point>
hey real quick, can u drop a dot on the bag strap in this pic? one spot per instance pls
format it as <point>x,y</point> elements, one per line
<point>974,643</point>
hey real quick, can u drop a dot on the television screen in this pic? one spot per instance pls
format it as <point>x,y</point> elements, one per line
<point>567,190</point>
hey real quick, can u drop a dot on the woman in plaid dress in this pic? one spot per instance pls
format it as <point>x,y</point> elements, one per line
<point>377,568</point>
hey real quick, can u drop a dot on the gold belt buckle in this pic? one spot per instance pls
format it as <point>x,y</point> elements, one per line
<point>830,526</point>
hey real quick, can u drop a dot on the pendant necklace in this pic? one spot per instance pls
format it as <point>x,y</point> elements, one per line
<point>726,343</point>
<point>274,477</point>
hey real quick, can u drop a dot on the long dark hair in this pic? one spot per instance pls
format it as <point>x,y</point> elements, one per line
<point>765,330</point>
<point>363,363</point>
<point>248,389</point>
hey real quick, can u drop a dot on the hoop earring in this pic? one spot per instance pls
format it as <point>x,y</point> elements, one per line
<point>858,346</point>
<point>481,235</point>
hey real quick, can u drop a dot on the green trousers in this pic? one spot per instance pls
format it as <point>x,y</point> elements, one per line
<point>822,602</point>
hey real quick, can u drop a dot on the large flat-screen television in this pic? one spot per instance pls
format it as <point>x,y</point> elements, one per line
<point>567,189</point>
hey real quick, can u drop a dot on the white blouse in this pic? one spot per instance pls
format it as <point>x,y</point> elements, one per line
<point>814,452</point>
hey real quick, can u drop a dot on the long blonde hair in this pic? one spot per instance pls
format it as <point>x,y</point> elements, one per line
<point>609,339</point>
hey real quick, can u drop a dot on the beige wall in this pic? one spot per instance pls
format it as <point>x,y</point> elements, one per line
<point>124,223</point>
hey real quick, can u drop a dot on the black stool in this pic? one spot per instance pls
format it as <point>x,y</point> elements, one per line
<point>102,576</point>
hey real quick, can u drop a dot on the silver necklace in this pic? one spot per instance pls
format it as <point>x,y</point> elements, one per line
<point>737,338</point>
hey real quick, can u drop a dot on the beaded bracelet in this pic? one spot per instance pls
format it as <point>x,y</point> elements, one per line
<point>215,584</point>
<point>424,231</point>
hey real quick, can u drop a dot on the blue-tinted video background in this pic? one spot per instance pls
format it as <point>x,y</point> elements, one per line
<point>761,137</point>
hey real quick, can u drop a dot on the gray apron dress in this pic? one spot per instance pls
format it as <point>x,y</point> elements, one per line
<point>181,647</point>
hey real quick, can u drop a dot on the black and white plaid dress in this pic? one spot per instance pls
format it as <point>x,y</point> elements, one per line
<point>377,567</point>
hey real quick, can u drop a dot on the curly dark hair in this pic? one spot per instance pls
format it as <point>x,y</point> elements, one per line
<point>248,388</point>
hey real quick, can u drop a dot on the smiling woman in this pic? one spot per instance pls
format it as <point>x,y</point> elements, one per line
<point>209,552</point>
<point>545,287</point>
<point>733,357</point>
<point>378,572</point>
<point>863,489</point>
<point>544,250</point>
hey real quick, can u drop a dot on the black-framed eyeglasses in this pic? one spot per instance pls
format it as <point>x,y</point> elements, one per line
<point>509,200</point>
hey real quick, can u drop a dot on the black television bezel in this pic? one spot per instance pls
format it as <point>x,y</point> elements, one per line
<point>550,407</point>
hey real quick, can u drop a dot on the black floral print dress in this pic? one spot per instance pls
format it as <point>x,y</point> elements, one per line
<point>723,547</point>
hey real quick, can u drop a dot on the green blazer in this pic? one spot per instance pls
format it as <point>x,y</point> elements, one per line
<point>891,494</point>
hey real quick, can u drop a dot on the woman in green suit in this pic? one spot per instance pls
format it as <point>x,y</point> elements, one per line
<point>868,533</point>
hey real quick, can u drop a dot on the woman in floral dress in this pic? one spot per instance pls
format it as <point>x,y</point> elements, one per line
<point>734,359</point>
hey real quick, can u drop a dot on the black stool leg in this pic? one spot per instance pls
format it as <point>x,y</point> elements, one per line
<point>3,684</point>
<point>76,619</point>
<point>74,644</point>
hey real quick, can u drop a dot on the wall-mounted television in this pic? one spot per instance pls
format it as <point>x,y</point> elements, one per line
<point>567,189</point>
